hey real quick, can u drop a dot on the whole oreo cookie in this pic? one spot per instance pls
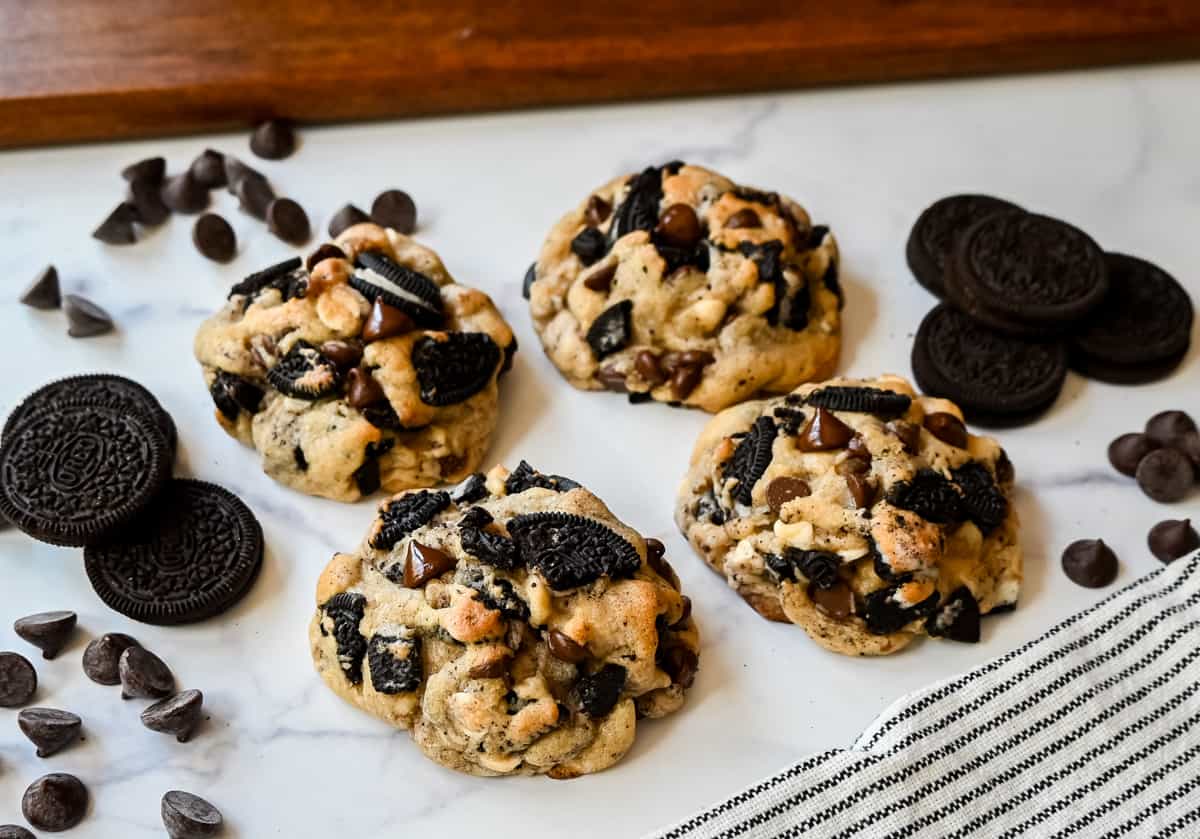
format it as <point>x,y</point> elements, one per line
<point>936,231</point>
<point>1026,274</point>
<point>72,472</point>
<point>1141,331</point>
<point>192,555</point>
<point>100,389</point>
<point>996,379</point>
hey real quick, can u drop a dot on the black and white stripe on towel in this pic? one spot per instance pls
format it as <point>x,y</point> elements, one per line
<point>1091,730</point>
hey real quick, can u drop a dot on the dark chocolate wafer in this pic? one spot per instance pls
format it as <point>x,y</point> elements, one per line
<point>194,553</point>
<point>937,229</point>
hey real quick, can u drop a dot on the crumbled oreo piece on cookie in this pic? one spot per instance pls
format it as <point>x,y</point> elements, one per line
<point>304,373</point>
<point>751,458</point>
<point>982,501</point>
<point>273,276</point>
<point>611,330</point>
<point>638,210</point>
<point>885,614</point>
<point>957,618</point>
<point>930,495</point>
<point>342,614</point>
<point>485,546</point>
<point>887,404</point>
<point>366,476</point>
<point>589,245</point>
<point>471,489</point>
<point>455,368</point>
<point>570,550</point>
<point>525,477</point>
<point>394,662</point>
<point>233,394</point>
<point>376,275</point>
<point>405,514</point>
<point>597,694</point>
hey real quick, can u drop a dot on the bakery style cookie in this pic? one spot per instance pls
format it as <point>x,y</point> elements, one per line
<point>367,367</point>
<point>858,510</point>
<point>513,625</point>
<point>676,284</point>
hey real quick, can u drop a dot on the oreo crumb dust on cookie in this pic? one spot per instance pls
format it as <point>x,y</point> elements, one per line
<point>367,368</point>
<point>864,513</point>
<point>514,626</point>
<point>678,285</point>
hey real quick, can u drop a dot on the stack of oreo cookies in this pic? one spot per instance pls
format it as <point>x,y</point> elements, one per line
<point>86,462</point>
<point>1025,297</point>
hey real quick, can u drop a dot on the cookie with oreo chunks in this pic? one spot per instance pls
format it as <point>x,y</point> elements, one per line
<point>1142,330</point>
<point>868,515</point>
<point>365,366</point>
<point>678,285</point>
<point>564,627</point>
<point>935,233</point>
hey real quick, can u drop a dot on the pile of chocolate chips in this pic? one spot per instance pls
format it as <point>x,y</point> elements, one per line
<point>1164,459</point>
<point>84,318</point>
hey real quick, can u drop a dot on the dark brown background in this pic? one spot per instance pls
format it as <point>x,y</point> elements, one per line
<point>91,69</point>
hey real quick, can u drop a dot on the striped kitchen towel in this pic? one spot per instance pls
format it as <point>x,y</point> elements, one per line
<point>1092,730</point>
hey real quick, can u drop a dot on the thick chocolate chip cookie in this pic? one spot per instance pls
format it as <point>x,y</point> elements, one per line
<point>367,368</point>
<point>679,285</point>
<point>864,513</point>
<point>513,625</point>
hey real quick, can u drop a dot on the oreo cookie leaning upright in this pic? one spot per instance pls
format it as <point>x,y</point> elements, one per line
<point>937,230</point>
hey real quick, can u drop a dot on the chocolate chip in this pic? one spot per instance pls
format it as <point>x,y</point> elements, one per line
<point>235,171</point>
<point>102,656</point>
<point>394,208</point>
<point>836,602</point>
<point>85,318</point>
<point>491,669</point>
<point>178,714</point>
<point>601,279</point>
<point>362,390</point>
<point>1165,475</point>
<point>824,432</point>
<point>743,218</point>
<point>564,647</point>
<point>117,228</point>
<point>612,378</point>
<point>385,322</point>
<point>646,363</point>
<point>151,169</point>
<point>345,354</point>
<point>273,140</point>
<point>686,612</point>
<point>1189,444</point>
<point>529,280</point>
<point>589,245</point>
<point>288,221</point>
<point>1090,563</point>
<point>214,238</point>
<point>188,816</point>
<point>48,631</point>
<point>597,212</point>
<point>680,664</point>
<point>182,194</point>
<point>146,197</point>
<point>326,251</point>
<point>144,675</point>
<point>208,169</point>
<point>1172,538</point>
<point>347,216</point>
<point>44,293</point>
<point>1167,427</point>
<point>1005,473</point>
<point>783,489</point>
<point>685,380</point>
<point>678,226</point>
<point>656,559</point>
<point>18,680</point>
<point>55,802</point>
<point>1127,451</point>
<point>424,563</point>
<point>49,729</point>
<point>254,195</point>
<point>862,489</point>
<point>947,428</point>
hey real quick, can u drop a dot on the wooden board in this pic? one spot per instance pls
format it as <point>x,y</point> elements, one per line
<point>103,69</point>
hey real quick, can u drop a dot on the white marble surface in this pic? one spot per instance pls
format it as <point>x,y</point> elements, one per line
<point>1114,151</point>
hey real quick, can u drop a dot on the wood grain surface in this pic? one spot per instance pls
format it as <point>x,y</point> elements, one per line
<point>103,69</point>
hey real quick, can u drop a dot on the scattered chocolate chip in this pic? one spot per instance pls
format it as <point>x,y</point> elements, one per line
<point>182,194</point>
<point>1165,475</point>
<point>646,363</point>
<point>1127,451</point>
<point>362,389</point>
<point>564,647</point>
<point>288,221</point>
<point>235,171</point>
<point>836,602</point>
<point>678,226</point>
<point>214,238</point>
<point>178,714</point>
<point>49,729</point>
<point>148,206</point>
<point>85,318</point>
<point>1173,538</point>
<point>347,216</point>
<point>144,675</point>
<point>947,428</point>
<point>55,802</point>
<point>208,170</point>
<point>597,211</point>
<point>601,279</point>
<point>385,321</point>
<point>151,169</point>
<point>102,656</point>
<point>254,195</point>
<point>117,228</point>
<point>273,140</point>
<point>326,251</point>
<point>743,218</point>
<point>44,293</point>
<point>345,354</point>
<point>1167,427</point>
<point>824,432</point>
<point>394,208</point>
<point>423,563</point>
<point>18,680</point>
<point>188,816</point>
<point>1090,563</point>
<point>783,489</point>
<point>48,631</point>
